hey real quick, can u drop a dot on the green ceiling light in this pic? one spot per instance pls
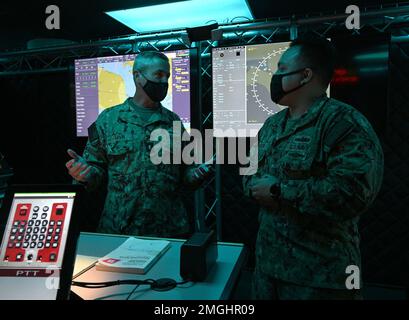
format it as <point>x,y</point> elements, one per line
<point>183,14</point>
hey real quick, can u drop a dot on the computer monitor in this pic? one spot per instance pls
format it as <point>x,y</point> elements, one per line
<point>103,82</point>
<point>39,232</point>
<point>241,87</point>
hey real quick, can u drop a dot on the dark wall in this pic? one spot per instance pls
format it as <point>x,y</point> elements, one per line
<point>37,125</point>
<point>365,84</point>
<point>384,229</point>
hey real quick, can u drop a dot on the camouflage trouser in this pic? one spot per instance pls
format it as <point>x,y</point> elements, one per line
<point>268,288</point>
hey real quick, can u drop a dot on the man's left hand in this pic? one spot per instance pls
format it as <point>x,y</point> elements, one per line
<point>260,191</point>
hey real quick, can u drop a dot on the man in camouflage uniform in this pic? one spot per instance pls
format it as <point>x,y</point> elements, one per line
<point>143,198</point>
<point>320,166</point>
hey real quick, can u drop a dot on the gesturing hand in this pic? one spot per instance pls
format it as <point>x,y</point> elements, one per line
<point>77,167</point>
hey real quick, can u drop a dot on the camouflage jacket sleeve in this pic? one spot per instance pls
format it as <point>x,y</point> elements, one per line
<point>95,155</point>
<point>254,172</point>
<point>351,183</point>
<point>188,171</point>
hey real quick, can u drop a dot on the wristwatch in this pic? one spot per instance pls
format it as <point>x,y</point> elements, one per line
<point>275,191</point>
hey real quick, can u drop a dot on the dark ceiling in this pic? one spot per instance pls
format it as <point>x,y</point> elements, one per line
<point>85,20</point>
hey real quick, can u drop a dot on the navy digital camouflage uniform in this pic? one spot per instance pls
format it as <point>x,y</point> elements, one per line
<point>330,167</point>
<point>142,198</point>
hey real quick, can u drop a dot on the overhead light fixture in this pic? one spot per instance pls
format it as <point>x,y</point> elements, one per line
<point>183,14</point>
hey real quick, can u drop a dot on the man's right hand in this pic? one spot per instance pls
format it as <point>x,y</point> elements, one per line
<point>78,168</point>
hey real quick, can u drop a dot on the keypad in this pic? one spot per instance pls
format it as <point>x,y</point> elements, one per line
<point>39,231</point>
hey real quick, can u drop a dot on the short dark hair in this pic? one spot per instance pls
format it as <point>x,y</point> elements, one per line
<point>143,59</point>
<point>319,53</point>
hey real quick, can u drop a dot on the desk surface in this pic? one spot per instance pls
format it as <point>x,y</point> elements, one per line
<point>218,284</point>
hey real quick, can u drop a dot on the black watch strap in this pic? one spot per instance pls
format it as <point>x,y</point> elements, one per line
<point>275,190</point>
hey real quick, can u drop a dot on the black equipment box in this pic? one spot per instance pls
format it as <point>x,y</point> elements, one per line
<point>198,255</point>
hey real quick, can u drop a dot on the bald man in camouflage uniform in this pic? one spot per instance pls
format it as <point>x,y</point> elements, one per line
<point>143,198</point>
<point>320,166</point>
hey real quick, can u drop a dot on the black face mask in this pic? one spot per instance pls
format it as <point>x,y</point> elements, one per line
<point>276,85</point>
<point>156,91</point>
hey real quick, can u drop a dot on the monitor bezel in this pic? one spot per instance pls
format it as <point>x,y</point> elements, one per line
<point>69,254</point>
<point>230,46</point>
<point>194,72</point>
